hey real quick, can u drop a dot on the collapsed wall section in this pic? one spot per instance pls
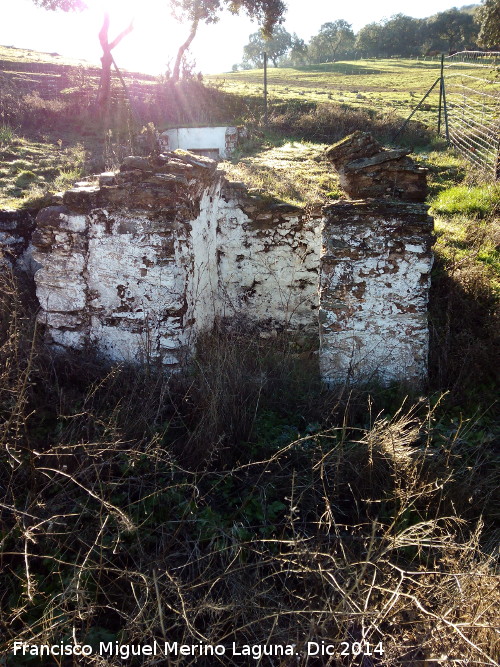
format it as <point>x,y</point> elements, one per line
<point>137,266</point>
<point>375,278</point>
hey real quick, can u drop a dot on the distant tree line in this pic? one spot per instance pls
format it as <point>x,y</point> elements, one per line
<point>470,27</point>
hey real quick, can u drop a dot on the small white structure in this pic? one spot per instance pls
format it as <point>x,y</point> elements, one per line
<point>213,142</point>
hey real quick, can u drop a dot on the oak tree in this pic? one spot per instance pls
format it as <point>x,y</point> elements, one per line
<point>275,46</point>
<point>488,17</point>
<point>333,39</point>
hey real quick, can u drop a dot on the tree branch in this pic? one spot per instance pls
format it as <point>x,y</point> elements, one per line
<point>103,32</point>
<point>123,34</point>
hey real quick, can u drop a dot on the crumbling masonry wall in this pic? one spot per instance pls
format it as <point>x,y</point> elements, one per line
<point>138,265</point>
<point>375,279</point>
<point>268,260</point>
<point>375,267</point>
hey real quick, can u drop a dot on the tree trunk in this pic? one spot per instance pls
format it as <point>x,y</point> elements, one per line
<point>105,81</point>
<point>182,50</point>
<point>104,94</point>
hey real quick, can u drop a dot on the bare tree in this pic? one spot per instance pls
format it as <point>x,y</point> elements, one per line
<point>107,60</point>
<point>107,46</point>
<point>64,5</point>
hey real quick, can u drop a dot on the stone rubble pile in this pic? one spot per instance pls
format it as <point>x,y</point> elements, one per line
<point>367,170</point>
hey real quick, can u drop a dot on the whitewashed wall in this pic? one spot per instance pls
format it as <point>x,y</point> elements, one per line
<point>375,279</point>
<point>138,266</point>
<point>223,139</point>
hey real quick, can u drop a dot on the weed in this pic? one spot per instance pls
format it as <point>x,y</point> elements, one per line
<point>66,178</point>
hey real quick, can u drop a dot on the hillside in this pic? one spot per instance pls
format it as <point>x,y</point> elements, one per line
<point>51,74</point>
<point>379,84</point>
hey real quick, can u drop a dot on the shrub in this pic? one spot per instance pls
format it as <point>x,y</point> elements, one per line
<point>332,122</point>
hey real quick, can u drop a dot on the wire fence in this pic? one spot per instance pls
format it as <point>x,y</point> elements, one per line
<point>472,107</point>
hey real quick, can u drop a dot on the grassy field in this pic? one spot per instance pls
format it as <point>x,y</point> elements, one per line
<point>243,502</point>
<point>31,170</point>
<point>388,83</point>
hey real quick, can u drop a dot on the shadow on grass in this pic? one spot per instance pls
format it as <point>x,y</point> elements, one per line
<point>464,332</point>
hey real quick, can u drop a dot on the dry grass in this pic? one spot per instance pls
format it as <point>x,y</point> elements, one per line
<point>331,122</point>
<point>296,172</point>
<point>284,532</point>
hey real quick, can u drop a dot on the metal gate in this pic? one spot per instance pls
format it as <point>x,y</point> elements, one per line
<point>471,104</point>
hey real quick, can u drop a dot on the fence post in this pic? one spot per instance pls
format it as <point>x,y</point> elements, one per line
<point>265,89</point>
<point>441,87</point>
<point>497,165</point>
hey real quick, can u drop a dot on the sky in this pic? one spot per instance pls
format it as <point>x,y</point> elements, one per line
<point>156,36</point>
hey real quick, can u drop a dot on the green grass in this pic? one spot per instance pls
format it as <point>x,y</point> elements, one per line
<point>294,171</point>
<point>467,226</point>
<point>31,170</point>
<point>476,201</point>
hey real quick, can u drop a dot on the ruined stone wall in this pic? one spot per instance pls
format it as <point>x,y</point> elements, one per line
<point>375,270</point>
<point>138,265</point>
<point>16,229</point>
<point>268,260</point>
<point>122,270</point>
<point>375,278</point>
